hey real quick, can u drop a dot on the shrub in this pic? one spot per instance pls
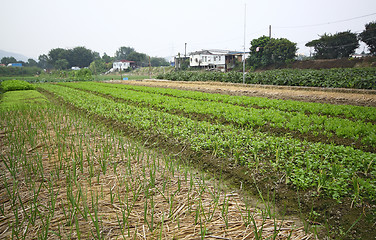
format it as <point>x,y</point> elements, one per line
<point>83,75</point>
<point>19,71</point>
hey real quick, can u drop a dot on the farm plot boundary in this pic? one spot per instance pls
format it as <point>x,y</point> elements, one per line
<point>73,178</point>
<point>161,132</point>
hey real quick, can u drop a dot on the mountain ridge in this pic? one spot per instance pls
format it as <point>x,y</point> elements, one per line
<point>17,56</point>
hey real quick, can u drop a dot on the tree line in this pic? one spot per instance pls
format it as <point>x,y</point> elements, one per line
<point>62,59</point>
<point>266,51</point>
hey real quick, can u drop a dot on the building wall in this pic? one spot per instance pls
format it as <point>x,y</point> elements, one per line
<point>121,65</point>
<point>204,60</point>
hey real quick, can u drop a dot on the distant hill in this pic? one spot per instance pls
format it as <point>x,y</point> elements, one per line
<point>17,56</point>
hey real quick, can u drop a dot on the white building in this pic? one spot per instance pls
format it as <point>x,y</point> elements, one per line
<point>217,59</point>
<point>206,58</point>
<point>123,65</point>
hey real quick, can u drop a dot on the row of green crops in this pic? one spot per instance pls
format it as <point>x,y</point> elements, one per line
<point>243,116</point>
<point>334,171</point>
<point>64,176</point>
<point>15,85</point>
<point>361,78</point>
<point>21,99</point>
<point>345,111</point>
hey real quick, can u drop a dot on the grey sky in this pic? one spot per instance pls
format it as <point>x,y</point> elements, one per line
<point>160,28</point>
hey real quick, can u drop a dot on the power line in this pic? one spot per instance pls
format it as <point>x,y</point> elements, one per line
<point>327,23</point>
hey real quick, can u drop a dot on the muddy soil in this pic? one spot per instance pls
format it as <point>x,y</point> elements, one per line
<point>356,97</point>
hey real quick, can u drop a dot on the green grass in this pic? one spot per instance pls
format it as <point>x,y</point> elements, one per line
<point>19,99</point>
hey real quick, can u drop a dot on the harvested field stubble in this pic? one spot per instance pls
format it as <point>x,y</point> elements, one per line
<point>63,176</point>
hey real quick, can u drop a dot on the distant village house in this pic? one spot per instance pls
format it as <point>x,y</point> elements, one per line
<point>123,65</point>
<point>221,60</point>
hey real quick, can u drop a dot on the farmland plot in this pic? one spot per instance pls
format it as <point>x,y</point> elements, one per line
<point>269,138</point>
<point>66,177</point>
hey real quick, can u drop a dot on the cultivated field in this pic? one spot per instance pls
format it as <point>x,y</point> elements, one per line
<point>69,169</point>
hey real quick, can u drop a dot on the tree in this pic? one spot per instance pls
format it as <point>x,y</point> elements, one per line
<point>369,36</point>
<point>141,59</point>
<point>123,52</point>
<point>279,51</point>
<point>339,45</point>
<point>107,58</point>
<point>56,54</point>
<point>265,51</point>
<point>80,57</point>
<point>99,66</point>
<point>157,62</point>
<point>7,60</point>
<point>31,63</point>
<point>43,61</point>
<point>76,57</point>
<point>61,64</point>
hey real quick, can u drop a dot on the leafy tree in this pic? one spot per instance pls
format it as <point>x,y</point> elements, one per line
<point>43,61</point>
<point>99,66</point>
<point>123,53</point>
<point>62,64</point>
<point>279,51</point>
<point>57,54</point>
<point>339,45</point>
<point>80,57</point>
<point>31,63</point>
<point>141,59</point>
<point>96,55</point>
<point>157,62</point>
<point>265,51</point>
<point>369,36</point>
<point>7,60</point>
<point>107,58</point>
<point>256,58</point>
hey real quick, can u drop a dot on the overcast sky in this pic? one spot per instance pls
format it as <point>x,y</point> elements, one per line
<point>162,27</point>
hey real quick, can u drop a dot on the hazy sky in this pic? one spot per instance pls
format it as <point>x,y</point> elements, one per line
<point>161,28</point>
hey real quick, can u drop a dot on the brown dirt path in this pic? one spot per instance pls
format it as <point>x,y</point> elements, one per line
<point>308,94</point>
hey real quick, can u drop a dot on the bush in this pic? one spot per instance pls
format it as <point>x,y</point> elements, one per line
<point>83,75</point>
<point>19,71</point>
<point>16,85</point>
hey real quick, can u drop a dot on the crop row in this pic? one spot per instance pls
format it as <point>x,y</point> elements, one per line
<point>245,117</point>
<point>64,176</point>
<point>361,78</point>
<point>15,85</point>
<point>335,171</point>
<point>346,111</point>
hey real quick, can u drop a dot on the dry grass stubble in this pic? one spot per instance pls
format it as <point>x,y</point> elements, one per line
<point>63,177</point>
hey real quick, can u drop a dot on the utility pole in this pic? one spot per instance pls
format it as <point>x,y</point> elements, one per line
<point>270,31</point>
<point>245,14</point>
<point>149,69</point>
<point>185,53</point>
